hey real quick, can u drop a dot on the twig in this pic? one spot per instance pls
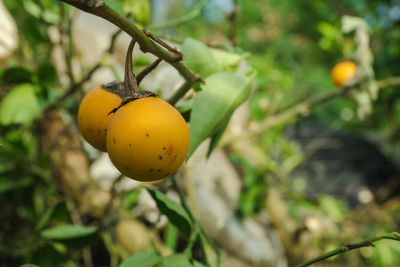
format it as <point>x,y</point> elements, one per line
<point>233,18</point>
<point>147,70</point>
<point>99,8</point>
<point>392,81</point>
<point>195,12</point>
<point>366,243</point>
<point>182,90</point>
<point>164,44</point>
<point>302,109</point>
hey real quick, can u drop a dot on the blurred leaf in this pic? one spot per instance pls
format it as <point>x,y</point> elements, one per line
<point>19,106</point>
<point>47,75</point>
<point>171,235</point>
<point>131,198</point>
<point>142,259</point>
<point>176,260</point>
<point>139,9</point>
<point>73,236</point>
<point>115,4</point>
<point>68,232</point>
<point>213,106</point>
<point>199,57</point>
<point>174,212</point>
<point>52,211</point>
<point>227,61</point>
<point>32,8</point>
<point>15,75</point>
<point>198,264</point>
<point>7,185</point>
<point>335,209</point>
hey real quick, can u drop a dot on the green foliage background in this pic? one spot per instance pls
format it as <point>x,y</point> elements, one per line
<point>292,45</point>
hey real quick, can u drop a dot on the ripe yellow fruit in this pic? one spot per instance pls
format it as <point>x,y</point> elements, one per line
<point>147,139</point>
<point>93,118</point>
<point>343,71</point>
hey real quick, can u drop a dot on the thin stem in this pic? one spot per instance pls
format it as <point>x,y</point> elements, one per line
<point>233,18</point>
<point>130,83</point>
<point>99,8</point>
<point>366,243</point>
<point>164,44</point>
<point>198,226</point>
<point>182,90</point>
<point>194,13</point>
<point>147,70</point>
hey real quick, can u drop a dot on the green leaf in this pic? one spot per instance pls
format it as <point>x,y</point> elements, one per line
<point>13,184</point>
<point>32,8</point>
<point>16,75</point>
<point>48,214</point>
<point>171,236</point>
<point>214,105</point>
<point>73,236</point>
<point>47,75</point>
<point>227,61</point>
<point>19,106</point>
<point>176,260</point>
<point>140,10</point>
<point>68,232</point>
<point>199,57</point>
<point>198,264</point>
<point>174,212</point>
<point>143,259</point>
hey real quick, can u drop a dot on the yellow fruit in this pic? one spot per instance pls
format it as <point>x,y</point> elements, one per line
<point>93,118</point>
<point>343,71</point>
<point>147,139</point>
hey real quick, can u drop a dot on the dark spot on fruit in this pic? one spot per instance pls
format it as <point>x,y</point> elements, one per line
<point>147,135</point>
<point>159,170</point>
<point>170,150</point>
<point>164,148</point>
<point>150,170</point>
<point>114,140</point>
<point>160,157</point>
<point>126,168</point>
<point>130,145</point>
<point>174,158</point>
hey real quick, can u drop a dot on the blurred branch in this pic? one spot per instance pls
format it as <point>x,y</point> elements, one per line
<point>392,81</point>
<point>101,9</point>
<point>195,12</point>
<point>366,243</point>
<point>303,109</point>
<point>76,85</point>
<point>233,18</point>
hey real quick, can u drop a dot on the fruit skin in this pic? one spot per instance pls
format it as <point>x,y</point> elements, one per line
<point>343,71</point>
<point>93,118</point>
<point>147,139</point>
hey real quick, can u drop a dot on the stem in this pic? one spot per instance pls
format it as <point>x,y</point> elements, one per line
<point>130,83</point>
<point>182,90</point>
<point>366,243</point>
<point>233,18</point>
<point>197,225</point>
<point>99,8</point>
<point>147,70</point>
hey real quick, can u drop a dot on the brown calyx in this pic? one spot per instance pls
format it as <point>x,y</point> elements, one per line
<point>128,90</point>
